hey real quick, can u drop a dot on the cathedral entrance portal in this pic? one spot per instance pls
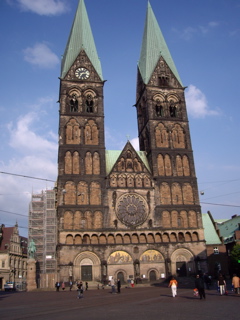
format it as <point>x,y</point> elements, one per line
<point>86,273</point>
<point>181,269</point>
<point>120,276</point>
<point>152,276</point>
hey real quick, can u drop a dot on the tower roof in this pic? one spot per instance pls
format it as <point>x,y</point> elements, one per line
<point>153,47</point>
<point>80,38</point>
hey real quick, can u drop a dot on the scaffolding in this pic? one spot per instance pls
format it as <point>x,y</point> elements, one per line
<point>42,229</point>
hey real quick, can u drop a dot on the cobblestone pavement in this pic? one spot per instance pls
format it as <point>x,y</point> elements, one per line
<point>136,303</point>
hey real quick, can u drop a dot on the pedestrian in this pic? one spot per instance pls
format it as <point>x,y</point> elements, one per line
<point>118,285</point>
<point>86,285</point>
<point>57,285</point>
<point>206,280</point>
<point>199,284</point>
<point>63,286</point>
<point>221,284</point>
<point>132,283</point>
<point>70,285</point>
<point>112,284</point>
<point>80,290</point>
<point>173,285</point>
<point>235,283</point>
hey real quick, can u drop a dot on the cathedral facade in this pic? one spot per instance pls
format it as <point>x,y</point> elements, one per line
<point>125,214</point>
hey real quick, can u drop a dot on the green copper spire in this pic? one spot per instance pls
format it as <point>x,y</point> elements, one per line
<point>153,47</point>
<point>80,38</point>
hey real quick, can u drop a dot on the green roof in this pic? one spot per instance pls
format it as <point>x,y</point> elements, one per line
<point>113,155</point>
<point>80,38</point>
<point>210,232</point>
<point>228,227</point>
<point>153,47</point>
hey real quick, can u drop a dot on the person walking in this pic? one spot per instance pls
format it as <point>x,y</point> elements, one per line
<point>86,285</point>
<point>63,286</point>
<point>235,283</point>
<point>221,284</point>
<point>199,284</point>
<point>112,284</point>
<point>57,285</point>
<point>119,286</point>
<point>80,290</point>
<point>173,285</point>
<point>70,285</point>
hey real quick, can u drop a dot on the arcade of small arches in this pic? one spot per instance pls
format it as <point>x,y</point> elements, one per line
<point>82,193</point>
<point>177,166</point>
<point>82,102</point>
<point>167,106</point>
<point>74,164</point>
<point>75,133</point>
<point>176,193</point>
<point>173,137</point>
<point>131,238</point>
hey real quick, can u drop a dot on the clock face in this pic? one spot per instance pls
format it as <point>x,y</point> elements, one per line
<point>82,73</point>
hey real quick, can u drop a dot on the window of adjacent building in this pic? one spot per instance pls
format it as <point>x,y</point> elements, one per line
<point>215,250</point>
<point>3,264</point>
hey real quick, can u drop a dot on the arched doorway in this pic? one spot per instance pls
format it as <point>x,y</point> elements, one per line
<point>152,275</point>
<point>120,276</point>
<point>87,267</point>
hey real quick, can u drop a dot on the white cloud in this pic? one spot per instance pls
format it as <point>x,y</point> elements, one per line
<point>197,104</point>
<point>41,56</point>
<point>135,143</point>
<point>189,32</point>
<point>44,7</point>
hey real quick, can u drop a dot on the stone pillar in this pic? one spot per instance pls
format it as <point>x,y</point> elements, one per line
<point>31,274</point>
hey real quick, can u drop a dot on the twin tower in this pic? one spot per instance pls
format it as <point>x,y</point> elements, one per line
<point>125,214</point>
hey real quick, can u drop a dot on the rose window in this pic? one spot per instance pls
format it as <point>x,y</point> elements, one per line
<point>132,209</point>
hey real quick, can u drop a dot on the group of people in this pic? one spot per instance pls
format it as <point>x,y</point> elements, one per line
<point>112,285</point>
<point>204,281</point>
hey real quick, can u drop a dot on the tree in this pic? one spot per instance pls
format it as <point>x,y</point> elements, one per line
<point>235,258</point>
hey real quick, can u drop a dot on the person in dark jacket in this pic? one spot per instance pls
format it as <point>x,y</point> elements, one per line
<point>199,284</point>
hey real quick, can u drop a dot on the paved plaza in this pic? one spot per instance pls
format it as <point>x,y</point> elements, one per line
<point>142,303</point>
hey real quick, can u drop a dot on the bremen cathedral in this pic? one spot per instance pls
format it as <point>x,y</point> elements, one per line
<point>127,214</point>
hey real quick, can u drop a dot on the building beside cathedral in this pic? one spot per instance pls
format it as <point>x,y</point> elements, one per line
<point>125,214</point>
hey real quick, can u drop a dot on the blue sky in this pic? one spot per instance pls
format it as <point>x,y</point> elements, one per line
<point>204,40</point>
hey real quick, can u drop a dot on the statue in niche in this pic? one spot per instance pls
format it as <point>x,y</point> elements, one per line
<point>74,103</point>
<point>159,108</point>
<point>89,104</point>
<point>172,109</point>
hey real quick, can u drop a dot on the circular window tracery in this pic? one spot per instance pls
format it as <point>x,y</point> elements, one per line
<point>132,209</point>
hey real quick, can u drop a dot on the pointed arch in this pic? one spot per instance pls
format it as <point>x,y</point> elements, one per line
<point>168,165</point>
<point>174,218</point>
<point>70,195</point>
<point>73,132</point>
<point>165,196</point>
<point>77,220</point>
<point>89,220</point>
<point>179,166</point>
<point>178,136</point>
<point>192,218</point>
<point>68,163</point>
<point>82,193</point>
<point>68,220</point>
<point>161,136</point>
<point>96,163</point>
<point>95,193</point>
<point>88,163</point>
<point>160,164</point>
<point>188,194</point>
<point>166,219</point>
<point>76,163</point>
<point>98,220</point>
<point>91,133</point>
<point>186,166</point>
